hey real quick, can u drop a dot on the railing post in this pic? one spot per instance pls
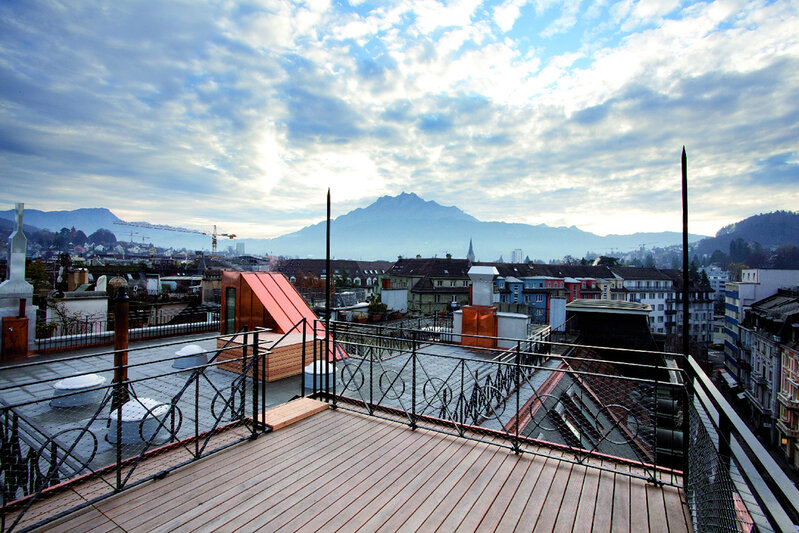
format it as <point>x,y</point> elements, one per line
<point>254,386</point>
<point>302,371</point>
<point>413,381</point>
<point>243,367</point>
<point>315,346</point>
<point>516,447</point>
<point>333,335</point>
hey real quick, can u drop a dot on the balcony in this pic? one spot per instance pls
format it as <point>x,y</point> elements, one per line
<point>405,432</point>
<point>791,402</point>
<point>788,431</point>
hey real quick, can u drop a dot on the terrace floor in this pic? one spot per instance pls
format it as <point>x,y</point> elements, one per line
<point>343,471</point>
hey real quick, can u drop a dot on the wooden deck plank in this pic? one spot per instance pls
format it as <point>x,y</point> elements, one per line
<point>518,502</point>
<point>218,474</point>
<point>620,518</point>
<point>274,483</point>
<point>285,507</point>
<point>604,502</point>
<point>96,523</point>
<point>655,506</point>
<point>293,411</point>
<point>535,503</point>
<point>639,514</point>
<point>479,488</point>
<point>412,513</point>
<point>584,519</point>
<point>571,499</point>
<point>470,519</point>
<point>553,501</point>
<point>490,520</point>
<point>675,517</point>
<point>235,459</point>
<point>351,483</point>
<point>388,502</point>
<point>339,470</point>
<point>346,501</point>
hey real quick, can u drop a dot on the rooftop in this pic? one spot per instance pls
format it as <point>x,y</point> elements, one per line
<point>344,471</point>
<point>406,431</point>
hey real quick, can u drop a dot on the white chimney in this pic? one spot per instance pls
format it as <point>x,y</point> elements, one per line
<point>482,284</point>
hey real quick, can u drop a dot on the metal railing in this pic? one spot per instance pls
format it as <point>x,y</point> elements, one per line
<point>55,436</point>
<point>663,422</point>
<point>87,333</point>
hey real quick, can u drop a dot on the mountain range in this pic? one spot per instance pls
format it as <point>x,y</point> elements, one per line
<point>403,225</point>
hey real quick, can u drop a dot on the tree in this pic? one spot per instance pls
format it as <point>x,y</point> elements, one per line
<point>649,261</point>
<point>608,261</point>
<point>693,271</point>
<point>103,236</point>
<point>37,273</point>
<point>704,280</point>
<point>786,257</point>
<point>739,250</point>
<point>719,258</point>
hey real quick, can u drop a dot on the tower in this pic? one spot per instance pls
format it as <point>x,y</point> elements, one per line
<point>470,253</point>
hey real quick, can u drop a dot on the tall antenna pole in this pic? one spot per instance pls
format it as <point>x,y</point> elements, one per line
<point>686,333</point>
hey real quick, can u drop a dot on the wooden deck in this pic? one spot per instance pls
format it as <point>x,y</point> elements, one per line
<point>341,471</point>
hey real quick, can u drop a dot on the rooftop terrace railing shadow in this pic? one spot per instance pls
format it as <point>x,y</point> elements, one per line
<point>576,403</point>
<point>171,416</point>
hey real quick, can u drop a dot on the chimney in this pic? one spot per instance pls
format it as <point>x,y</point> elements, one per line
<point>449,256</point>
<point>482,284</point>
<point>418,256</point>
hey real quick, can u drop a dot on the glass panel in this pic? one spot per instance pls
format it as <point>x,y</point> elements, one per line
<point>230,310</point>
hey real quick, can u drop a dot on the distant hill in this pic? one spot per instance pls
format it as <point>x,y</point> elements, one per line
<point>408,225</point>
<point>771,230</point>
<point>90,220</point>
<point>403,225</point>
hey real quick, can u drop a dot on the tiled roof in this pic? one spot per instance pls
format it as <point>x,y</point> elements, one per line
<point>432,267</point>
<point>635,273</point>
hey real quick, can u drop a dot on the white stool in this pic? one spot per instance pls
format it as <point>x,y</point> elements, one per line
<point>67,392</point>
<point>144,413</point>
<point>190,356</point>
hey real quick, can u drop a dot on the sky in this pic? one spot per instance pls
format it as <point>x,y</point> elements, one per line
<point>557,112</point>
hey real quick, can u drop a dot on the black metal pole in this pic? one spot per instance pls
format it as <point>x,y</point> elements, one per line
<point>327,295</point>
<point>686,332</point>
<point>685,273</point>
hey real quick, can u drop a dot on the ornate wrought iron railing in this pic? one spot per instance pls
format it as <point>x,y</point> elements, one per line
<point>106,433</point>
<point>663,422</point>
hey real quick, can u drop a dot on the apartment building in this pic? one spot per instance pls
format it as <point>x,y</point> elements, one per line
<point>756,284</point>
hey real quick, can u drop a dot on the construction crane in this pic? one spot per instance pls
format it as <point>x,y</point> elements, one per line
<point>214,235</point>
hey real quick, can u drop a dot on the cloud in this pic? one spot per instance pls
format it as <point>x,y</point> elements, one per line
<point>554,112</point>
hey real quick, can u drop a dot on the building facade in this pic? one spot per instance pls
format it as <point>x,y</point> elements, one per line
<point>756,284</point>
<point>433,284</point>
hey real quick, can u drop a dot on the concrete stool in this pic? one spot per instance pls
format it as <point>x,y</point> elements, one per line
<point>144,413</point>
<point>322,369</point>
<point>67,392</point>
<point>190,356</point>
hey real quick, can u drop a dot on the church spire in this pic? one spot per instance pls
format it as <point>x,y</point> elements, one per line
<point>470,253</point>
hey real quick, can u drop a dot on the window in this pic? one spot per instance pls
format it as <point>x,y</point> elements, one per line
<point>539,297</point>
<point>230,310</point>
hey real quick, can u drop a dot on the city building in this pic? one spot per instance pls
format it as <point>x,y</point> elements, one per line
<point>768,326</point>
<point>700,310</point>
<point>756,284</point>
<point>516,256</point>
<point>718,278</point>
<point>432,284</point>
<point>645,285</point>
